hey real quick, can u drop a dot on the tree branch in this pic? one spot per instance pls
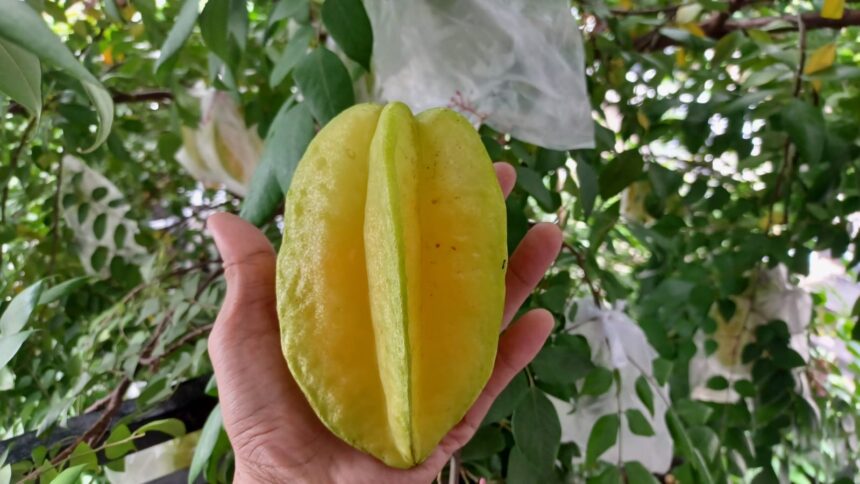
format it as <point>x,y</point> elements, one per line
<point>118,98</point>
<point>810,21</point>
<point>720,25</point>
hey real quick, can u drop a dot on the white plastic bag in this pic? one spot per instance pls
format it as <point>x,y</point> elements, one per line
<point>222,150</point>
<point>102,225</point>
<point>617,342</point>
<point>517,65</point>
<point>775,298</point>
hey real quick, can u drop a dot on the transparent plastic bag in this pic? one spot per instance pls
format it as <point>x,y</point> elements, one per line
<point>516,65</point>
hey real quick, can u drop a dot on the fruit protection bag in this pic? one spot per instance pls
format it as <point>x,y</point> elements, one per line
<point>516,65</point>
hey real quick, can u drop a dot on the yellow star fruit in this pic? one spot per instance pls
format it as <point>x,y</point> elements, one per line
<point>390,278</point>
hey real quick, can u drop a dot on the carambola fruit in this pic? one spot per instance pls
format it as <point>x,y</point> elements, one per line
<point>390,279</point>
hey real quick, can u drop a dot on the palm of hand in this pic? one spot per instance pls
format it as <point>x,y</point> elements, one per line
<point>275,435</point>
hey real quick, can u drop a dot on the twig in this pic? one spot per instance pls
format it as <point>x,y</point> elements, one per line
<point>649,11</point>
<point>719,26</point>
<point>177,345</point>
<point>153,361</point>
<point>55,226</point>
<point>810,21</point>
<point>788,153</point>
<point>580,261</point>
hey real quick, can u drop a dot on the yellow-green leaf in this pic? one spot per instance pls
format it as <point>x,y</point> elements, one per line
<point>822,58</point>
<point>833,9</point>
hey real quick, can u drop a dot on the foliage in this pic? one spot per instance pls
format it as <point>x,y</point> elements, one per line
<point>726,145</point>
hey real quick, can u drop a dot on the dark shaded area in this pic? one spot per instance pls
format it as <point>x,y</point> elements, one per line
<point>189,403</point>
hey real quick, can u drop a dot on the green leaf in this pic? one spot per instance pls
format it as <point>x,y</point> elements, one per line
<point>623,170</point>
<point>99,258</point>
<point>637,422</point>
<point>717,382</point>
<point>325,83</point>
<point>119,236</point>
<point>208,437</point>
<point>83,212</point>
<point>62,289</point>
<point>549,160</point>
<point>112,11</point>
<point>532,182</point>
<point>508,400</point>
<point>638,474</point>
<point>211,387</point>
<point>6,474</point>
<point>264,195</point>
<point>662,368</point>
<point>21,25</point>
<point>99,225</point>
<point>21,76</point>
<point>603,435</point>
<point>289,135</point>
<point>520,470</point>
<point>347,22</point>
<point>693,412</point>
<point>115,450</point>
<point>224,27</point>
<point>296,48</point>
<point>561,365</point>
<point>99,193</point>
<point>213,27</point>
<point>299,10</point>
<point>727,308</point>
<point>486,442</point>
<point>70,475</point>
<point>10,344</point>
<point>685,446</point>
<point>597,382</point>
<point>725,47</point>
<point>805,127</point>
<point>170,426</point>
<point>18,311</point>
<point>645,394</point>
<point>786,358</point>
<point>179,33</point>
<point>537,430</point>
<point>84,455</point>
<point>610,475</point>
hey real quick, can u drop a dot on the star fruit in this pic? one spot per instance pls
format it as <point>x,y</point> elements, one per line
<point>390,278</point>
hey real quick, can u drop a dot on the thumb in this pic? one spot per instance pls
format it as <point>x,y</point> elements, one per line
<point>249,263</point>
<point>258,396</point>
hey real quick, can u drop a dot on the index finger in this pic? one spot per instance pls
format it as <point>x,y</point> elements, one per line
<point>507,177</point>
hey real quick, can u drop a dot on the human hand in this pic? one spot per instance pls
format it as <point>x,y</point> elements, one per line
<point>275,435</point>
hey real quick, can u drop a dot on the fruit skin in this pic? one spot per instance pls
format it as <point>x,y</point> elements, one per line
<point>390,278</point>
